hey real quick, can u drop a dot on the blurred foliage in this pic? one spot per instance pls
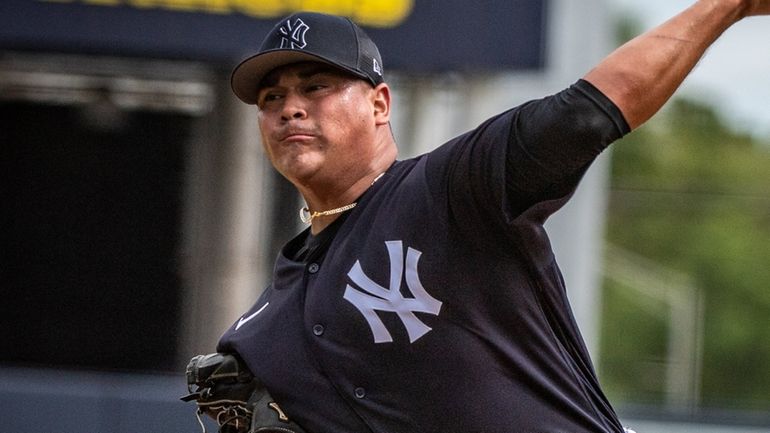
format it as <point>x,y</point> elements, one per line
<point>692,195</point>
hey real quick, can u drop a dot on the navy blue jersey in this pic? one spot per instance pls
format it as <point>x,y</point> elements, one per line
<point>437,305</point>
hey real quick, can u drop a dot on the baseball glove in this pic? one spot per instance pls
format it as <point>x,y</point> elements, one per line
<point>228,393</point>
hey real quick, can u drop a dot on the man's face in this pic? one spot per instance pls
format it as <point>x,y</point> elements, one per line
<point>317,123</point>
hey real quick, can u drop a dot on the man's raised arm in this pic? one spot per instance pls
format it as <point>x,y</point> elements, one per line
<point>640,76</point>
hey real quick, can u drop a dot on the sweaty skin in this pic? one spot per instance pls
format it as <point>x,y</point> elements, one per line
<point>327,132</point>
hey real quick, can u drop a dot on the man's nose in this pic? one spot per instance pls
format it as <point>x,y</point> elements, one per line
<point>294,107</point>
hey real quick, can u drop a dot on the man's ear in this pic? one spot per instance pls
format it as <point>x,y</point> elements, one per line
<point>381,104</point>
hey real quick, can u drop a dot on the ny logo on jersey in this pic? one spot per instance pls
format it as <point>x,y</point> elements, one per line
<point>379,298</point>
<point>293,34</point>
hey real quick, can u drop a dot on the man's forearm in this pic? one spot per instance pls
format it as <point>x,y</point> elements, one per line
<point>640,76</point>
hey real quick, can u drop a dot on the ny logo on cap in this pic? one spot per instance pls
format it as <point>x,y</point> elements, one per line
<point>293,34</point>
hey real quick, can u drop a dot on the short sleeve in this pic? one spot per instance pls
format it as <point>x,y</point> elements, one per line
<point>531,154</point>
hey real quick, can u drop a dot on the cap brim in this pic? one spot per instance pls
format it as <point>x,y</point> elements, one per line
<point>248,75</point>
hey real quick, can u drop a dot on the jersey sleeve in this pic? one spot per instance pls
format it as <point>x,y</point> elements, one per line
<point>531,156</point>
<point>554,140</point>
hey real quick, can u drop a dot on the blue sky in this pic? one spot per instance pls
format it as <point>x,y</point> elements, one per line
<point>734,75</point>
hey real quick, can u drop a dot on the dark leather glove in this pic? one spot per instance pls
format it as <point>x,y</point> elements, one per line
<point>230,394</point>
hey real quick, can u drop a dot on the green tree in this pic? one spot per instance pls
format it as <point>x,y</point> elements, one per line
<point>692,195</point>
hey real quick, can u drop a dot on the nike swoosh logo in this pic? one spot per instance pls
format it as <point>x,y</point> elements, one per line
<point>242,321</point>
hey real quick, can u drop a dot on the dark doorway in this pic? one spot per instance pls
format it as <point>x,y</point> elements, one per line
<point>90,213</point>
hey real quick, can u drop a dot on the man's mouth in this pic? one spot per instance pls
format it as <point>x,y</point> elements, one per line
<point>296,135</point>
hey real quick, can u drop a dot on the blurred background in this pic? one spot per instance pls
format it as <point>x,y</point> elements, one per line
<point>140,218</point>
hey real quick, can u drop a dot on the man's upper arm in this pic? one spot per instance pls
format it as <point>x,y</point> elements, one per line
<point>640,76</point>
<point>555,139</point>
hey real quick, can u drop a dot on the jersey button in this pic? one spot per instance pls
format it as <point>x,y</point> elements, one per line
<point>313,268</point>
<point>359,392</point>
<point>318,329</point>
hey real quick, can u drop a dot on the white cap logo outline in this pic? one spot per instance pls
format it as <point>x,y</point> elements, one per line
<point>293,35</point>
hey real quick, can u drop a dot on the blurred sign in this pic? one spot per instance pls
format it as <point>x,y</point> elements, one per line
<point>424,35</point>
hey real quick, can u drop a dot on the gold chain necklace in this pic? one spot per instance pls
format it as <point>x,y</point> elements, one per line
<point>307,217</point>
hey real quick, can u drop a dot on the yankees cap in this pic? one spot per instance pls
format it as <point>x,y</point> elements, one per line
<point>309,36</point>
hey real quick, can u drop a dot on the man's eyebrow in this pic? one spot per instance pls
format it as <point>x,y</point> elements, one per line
<point>317,70</point>
<point>272,78</point>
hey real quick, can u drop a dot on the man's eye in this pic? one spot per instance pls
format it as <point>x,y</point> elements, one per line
<point>269,97</point>
<point>314,87</point>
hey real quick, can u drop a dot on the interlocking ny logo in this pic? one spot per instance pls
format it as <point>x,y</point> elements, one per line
<point>391,299</point>
<point>293,34</point>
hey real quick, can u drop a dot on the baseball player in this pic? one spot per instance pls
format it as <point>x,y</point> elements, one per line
<point>424,295</point>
